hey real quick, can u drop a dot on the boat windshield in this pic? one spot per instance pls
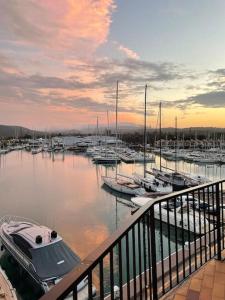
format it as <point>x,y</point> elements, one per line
<point>54,260</point>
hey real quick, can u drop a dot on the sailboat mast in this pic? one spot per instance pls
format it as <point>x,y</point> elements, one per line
<point>108,122</point>
<point>97,127</point>
<point>160,136</point>
<point>145,113</point>
<point>117,91</point>
<point>175,144</point>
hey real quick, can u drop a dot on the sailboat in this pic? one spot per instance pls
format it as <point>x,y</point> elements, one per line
<point>121,183</point>
<point>150,183</point>
<point>173,178</point>
<point>106,156</point>
<point>35,150</point>
<point>178,180</point>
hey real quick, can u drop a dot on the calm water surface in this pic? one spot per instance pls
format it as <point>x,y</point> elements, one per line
<point>65,192</point>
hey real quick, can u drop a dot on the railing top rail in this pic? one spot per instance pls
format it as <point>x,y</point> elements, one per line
<point>89,263</point>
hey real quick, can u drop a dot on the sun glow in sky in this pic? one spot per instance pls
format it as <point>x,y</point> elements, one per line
<point>60,60</point>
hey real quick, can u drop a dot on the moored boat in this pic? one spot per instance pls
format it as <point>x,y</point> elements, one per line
<point>41,252</point>
<point>110,159</point>
<point>36,150</point>
<point>153,184</point>
<point>185,219</point>
<point>123,185</point>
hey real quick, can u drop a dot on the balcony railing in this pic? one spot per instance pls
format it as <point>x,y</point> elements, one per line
<point>159,247</point>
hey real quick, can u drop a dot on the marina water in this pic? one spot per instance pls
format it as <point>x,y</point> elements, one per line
<point>64,192</point>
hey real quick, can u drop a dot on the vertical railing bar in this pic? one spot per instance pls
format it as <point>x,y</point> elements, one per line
<point>140,261</point>
<point>200,226</point>
<point>161,246</point>
<point>145,262</point>
<point>101,279</point>
<point>134,261</point>
<point>149,255</point>
<point>169,246</point>
<point>90,285</point>
<point>214,220</point>
<point>128,265</point>
<point>153,254</point>
<point>221,191</point>
<point>176,241</point>
<point>195,236</point>
<point>120,270</point>
<point>221,196</point>
<point>205,240</point>
<point>218,221</point>
<point>182,235</point>
<point>75,292</point>
<point>111,273</point>
<point>209,222</point>
<point>189,236</point>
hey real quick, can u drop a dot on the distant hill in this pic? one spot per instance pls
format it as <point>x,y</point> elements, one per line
<point>7,131</point>
<point>131,128</point>
<point>15,131</point>
<point>19,131</point>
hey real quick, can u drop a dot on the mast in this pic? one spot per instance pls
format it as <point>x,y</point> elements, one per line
<point>175,144</point>
<point>33,138</point>
<point>145,112</point>
<point>117,91</point>
<point>108,122</point>
<point>97,126</point>
<point>160,136</point>
<point>97,132</point>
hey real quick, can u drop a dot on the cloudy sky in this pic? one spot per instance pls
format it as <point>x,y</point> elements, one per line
<point>60,60</point>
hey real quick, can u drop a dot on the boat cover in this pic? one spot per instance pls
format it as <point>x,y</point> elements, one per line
<point>54,260</point>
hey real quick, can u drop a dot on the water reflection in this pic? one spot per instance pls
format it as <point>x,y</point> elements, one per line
<point>64,192</point>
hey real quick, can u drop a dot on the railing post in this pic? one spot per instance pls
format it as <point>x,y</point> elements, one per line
<point>218,222</point>
<point>153,253</point>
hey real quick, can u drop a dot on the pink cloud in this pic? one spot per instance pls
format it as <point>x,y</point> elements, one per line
<point>81,26</point>
<point>128,52</point>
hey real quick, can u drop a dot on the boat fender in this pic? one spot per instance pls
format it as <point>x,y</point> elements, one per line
<point>2,247</point>
<point>116,292</point>
<point>54,234</point>
<point>186,245</point>
<point>38,239</point>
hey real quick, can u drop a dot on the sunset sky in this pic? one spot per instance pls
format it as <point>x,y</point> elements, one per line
<point>60,60</point>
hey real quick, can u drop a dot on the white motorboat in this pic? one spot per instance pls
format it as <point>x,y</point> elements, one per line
<point>41,252</point>
<point>185,217</point>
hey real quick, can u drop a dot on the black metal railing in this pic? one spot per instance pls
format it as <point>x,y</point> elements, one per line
<point>159,247</point>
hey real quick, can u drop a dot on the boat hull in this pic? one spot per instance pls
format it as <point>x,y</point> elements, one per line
<point>112,183</point>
